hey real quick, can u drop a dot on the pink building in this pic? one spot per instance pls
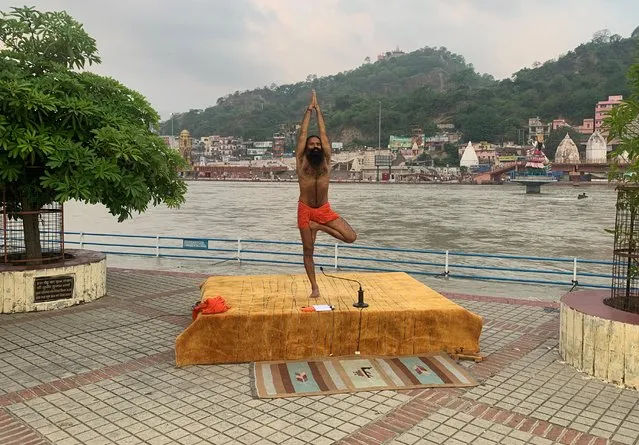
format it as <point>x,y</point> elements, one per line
<point>558,123</point>
<point>587,127</point>
<point>603,107</point>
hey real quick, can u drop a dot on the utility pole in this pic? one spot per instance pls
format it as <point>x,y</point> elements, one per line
<point>379,127</point>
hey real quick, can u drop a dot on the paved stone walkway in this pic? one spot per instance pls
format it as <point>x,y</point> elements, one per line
<point>103,373</point>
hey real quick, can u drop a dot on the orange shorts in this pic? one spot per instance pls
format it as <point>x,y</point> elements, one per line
<point>321,215</point>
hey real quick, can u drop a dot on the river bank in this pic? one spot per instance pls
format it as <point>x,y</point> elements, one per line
<point>359,181</point>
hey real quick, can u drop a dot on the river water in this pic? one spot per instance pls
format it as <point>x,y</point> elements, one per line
<point>466,218</point>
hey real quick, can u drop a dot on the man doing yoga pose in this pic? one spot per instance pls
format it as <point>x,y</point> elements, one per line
<point>313,164</point>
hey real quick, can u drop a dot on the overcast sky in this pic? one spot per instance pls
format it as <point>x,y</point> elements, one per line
<point>185,54</point>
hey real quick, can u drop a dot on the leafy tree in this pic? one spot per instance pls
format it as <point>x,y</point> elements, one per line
<point>66,133</point>
<point>623,125</point>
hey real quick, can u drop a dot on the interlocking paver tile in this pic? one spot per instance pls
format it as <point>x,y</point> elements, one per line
<point>156,403</point>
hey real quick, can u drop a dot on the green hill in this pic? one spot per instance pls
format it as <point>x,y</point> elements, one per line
<point>425,87</point>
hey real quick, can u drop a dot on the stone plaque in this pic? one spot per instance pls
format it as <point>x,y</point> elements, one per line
<point>59,287</point>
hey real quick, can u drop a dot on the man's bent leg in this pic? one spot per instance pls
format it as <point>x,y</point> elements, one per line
<point>308,247</point>
<point>337,228</point>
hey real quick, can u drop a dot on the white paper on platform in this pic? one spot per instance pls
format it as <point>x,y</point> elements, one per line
<point>322,307</point>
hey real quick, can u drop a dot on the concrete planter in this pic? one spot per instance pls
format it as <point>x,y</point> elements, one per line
<point>80,279</point>
<point>599,340</point>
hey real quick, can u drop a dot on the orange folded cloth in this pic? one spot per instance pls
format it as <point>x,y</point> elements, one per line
<point>212,305</point>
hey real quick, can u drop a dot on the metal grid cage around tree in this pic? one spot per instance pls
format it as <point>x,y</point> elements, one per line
<point>625,268</point>
<point>49,222</point>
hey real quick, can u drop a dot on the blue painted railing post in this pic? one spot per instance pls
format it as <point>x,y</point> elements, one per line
<point>574,271</point>
<point>446,265</point>
<point>239,250</point>
<point>336,254</point>
<point>81,240</point>
<point>157,246</point>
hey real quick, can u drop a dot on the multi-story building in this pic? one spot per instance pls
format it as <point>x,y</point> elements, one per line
<point>279,145</point>
<point>486,154</point>
<point>603,107</point>
<point>537,130</point>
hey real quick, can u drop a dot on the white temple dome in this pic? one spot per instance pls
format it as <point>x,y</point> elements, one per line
<point>596,149</point>
<point>469,157</point>
<point>567,152</point>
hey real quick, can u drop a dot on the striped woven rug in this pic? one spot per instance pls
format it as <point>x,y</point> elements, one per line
<point>334,375</point>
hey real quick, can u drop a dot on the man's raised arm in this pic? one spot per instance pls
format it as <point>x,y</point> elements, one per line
<point>326,145</point>
<point>301,140</point>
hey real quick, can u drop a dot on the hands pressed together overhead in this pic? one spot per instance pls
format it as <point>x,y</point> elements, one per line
<point>313,105</point>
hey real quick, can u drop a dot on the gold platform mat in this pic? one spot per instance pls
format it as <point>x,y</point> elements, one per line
<point>265,322</point>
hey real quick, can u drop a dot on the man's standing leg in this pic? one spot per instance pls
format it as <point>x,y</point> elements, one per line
<point>308,246</point>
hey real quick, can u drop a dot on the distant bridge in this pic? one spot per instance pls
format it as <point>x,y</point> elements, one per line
<point>505,168</point>
<point>585,168</point>
<point>495,175</point>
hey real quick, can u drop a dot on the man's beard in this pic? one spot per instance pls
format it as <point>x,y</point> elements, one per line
<point>315,157</point>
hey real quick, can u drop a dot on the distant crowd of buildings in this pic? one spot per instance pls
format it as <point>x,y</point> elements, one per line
<point>402,159</point>
<point>538,130</point>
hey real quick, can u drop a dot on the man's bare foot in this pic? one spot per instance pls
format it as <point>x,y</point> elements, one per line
<point>315,293</point>
<point>313,226</point>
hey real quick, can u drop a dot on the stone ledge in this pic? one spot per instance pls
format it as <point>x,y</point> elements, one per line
<point>599,340</point>
<point>88,269</point>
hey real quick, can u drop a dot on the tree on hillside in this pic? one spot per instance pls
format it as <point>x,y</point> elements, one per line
<point>66,133</point>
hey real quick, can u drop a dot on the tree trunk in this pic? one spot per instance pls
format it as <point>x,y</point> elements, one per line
<point>31,233</point>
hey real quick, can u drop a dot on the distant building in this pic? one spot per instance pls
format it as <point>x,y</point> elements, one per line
<point>587,127</point>
<point>417,135</point>
<point>469,157</point>
<point>567,152</point>
<point>486,154</point>
<point>186,146</point>
<point>400,142</point>
<point>446,134</point>
<point>603,107</point>
<point>596,149</point>
<point>537,130</point>
<point>256,153</point>
<point>390,54</point>
<point>559,123</point>
<point>370,156</point>
<point>279,144</point>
